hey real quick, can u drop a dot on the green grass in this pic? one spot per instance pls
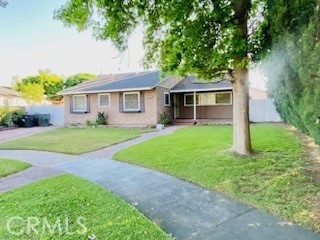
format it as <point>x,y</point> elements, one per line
<point>106,215</point>
<point>9,166</point>
<point>73,140</point>
<point>272,179</point>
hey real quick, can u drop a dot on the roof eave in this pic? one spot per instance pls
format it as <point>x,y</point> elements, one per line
<point>200,90</point>
<point>107,91</point>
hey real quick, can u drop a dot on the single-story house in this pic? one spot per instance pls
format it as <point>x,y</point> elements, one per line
<point>11,98</point>
<point>139,99</point>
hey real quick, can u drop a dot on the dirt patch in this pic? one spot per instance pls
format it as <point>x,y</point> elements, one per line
<point>312,155</point>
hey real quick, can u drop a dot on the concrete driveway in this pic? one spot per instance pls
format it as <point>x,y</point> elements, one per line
<point>9,135</point>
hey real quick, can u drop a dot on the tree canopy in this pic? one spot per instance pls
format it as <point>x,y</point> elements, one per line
<point>32,92</point>
<point>78,78</point>
<point>50,82</point>
<point>3,3</point>
<point>190,36</point>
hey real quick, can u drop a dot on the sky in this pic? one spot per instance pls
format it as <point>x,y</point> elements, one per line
<point>31,40</point>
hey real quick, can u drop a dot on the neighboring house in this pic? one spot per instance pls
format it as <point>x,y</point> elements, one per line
<point>11,98</point>
<point>139,99</point>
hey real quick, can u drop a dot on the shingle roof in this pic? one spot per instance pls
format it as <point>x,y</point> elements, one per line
<point>117,82</point>
<point>9,92</point>
<point>191,83</point>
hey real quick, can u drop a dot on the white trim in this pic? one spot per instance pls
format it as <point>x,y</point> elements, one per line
<point>199,103</point>
<point>200,90</point>
<point>124,102</point>
<point>164,99</point>
<point>195,105</point>
<point>85,100</point>
<point>108,91</point>
<point>104,94</point>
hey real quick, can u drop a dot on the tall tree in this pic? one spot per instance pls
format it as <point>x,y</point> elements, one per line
<point>293,64</point>
<point>204,37</point>
<point>78,78</point>
<point>3,3</point>
<point>32,92</point>
<point>50,82</point>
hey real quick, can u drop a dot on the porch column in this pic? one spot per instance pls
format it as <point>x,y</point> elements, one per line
<point>194,106</point>
<point>174,106</point>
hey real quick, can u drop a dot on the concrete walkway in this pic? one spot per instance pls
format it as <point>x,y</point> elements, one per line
<point>181,208</point>
<point>9,135</point>
<point>27,176</point>
<point>110,151</point>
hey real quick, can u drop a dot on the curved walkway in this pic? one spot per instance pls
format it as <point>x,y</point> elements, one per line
<point>181,208</point>
<point>27,176</point>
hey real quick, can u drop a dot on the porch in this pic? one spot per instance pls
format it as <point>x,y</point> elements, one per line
<point>211,107</point>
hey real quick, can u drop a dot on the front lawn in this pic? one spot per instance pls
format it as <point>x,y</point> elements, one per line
<point>273,179</point>
<point>73,140</point>
<point>9,166</point>
<point>69,199</point>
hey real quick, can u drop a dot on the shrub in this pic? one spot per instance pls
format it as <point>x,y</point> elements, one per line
<point>101,118</point>
<point>10,116</point>
<point>164,118</point>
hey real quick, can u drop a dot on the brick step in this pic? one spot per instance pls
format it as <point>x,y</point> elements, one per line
<point>184,122</point>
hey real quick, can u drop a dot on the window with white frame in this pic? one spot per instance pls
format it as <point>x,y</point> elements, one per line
<point>166,99</point>
<point>208,99</point>
<point>131,101</point>
<point>79,103</point>
<point>104,100</point>
<point>223,98</point>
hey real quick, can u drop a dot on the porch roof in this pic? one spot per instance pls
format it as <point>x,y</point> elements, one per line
<point>193,84</point>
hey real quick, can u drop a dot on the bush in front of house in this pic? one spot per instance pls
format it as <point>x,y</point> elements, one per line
<point>101,118</point>
<point>164,118</point>
<point>10,116</point>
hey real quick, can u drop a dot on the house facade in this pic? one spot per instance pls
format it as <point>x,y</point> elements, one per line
<point>139,99</point>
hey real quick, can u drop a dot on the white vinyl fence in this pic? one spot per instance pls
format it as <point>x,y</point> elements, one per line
<point>56,113</point>
<point>263,110</point>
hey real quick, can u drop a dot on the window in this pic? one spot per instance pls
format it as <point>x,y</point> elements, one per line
<point>131,101</point>
<point>223,98</point>
<point>188,99</point>
<point>79,103</point>
<point>208,99</point>
<point>166,99</point>
<point>104,100</point>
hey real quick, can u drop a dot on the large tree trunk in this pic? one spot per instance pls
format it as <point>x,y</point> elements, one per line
<point>241,129</point>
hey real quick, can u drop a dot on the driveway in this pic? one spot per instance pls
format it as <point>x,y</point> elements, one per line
<point>9,135</point>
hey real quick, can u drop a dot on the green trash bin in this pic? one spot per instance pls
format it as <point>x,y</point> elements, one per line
<point>44,120</point>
